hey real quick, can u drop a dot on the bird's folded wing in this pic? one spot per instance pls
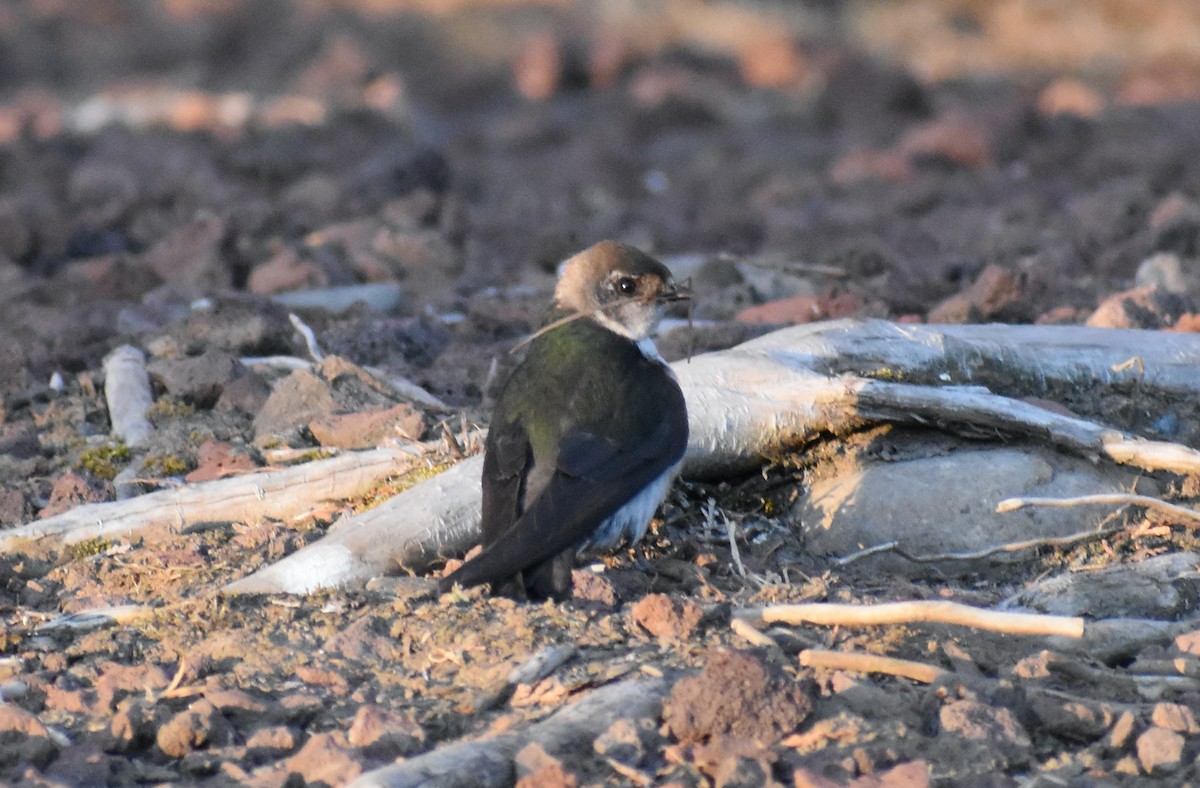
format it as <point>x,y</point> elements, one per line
<point>592,480</point>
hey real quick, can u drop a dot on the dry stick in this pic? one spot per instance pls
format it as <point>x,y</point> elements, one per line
<point>745,630</point>
<point>488,761</point>
<point>974,555</point>
<point>1191,516</point>
<point>871,663</point>
<point>127,393</point>
<point>932,611</point>
<point>276,493</point>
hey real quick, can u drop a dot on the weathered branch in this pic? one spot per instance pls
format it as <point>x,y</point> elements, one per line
<point>127,393</point>
<point>1187,517</point>
<point>488,762</point>
<point>772,394</point>
<point>929,611</point>
<point>870,663</point>
<point>280,493</point>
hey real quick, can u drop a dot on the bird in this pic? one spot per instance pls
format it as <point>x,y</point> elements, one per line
<point>588,431</point>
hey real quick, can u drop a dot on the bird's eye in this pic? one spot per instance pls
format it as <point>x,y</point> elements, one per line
<point>627,285</point>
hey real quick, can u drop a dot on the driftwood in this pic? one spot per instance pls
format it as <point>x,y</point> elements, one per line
<point>127,393</point>
<point>489,762</point>
<point>759,400</point>
<point>279,493</point>
<point>780,391</point>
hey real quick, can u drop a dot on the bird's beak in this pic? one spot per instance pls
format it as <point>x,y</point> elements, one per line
<point>675,293</point>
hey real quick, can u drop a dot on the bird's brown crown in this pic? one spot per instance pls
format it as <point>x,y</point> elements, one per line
<point>620,286</point>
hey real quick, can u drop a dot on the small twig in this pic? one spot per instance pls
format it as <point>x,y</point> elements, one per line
<point>310,339</point>
<point>871,663</point>
<point>975,555</point>
<point>746,631</point>
<point>629,773</point>
<point>1125,499</point>
<point>562,321</point>
<point>931,611</point>
<point>731,535</point>
<point>173,689</point>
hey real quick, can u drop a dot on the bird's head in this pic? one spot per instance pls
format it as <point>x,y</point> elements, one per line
<point>623,288</point>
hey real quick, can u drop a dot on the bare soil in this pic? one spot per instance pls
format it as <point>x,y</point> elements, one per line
<point>166,168</point>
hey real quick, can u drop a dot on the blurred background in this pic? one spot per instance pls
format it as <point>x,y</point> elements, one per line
<point>941,160</point>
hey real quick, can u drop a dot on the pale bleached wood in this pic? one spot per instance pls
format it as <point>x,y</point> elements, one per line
<point>768,396</point>
<point>279,493</point>
<point>480,763</point>
<point>127,393</point>
<point>859,662</point>
<point>437,518</point>
<point>927,611</point>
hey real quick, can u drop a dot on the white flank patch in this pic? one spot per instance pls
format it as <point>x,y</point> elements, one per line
<point>632,519</point>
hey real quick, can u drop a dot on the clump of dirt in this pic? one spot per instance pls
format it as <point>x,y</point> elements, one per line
<point>738,703</point>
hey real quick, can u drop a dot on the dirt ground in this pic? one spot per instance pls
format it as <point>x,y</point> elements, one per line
<point>172,170</point>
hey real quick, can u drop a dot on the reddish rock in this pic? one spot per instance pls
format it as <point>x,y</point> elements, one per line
<point>23,738</point>
<point>366,638</point>
<point>1142,307</point>
<point>294,401</point>
<point>286,271</point>
<point>272,740</point>
<point>862,165</point>
<point>15,508</point>
<point>298,708</point>
<point>117,681</point>
<point>130,728</point>
<point>803,309</point>
<point>1121,731</point>
<point>982,722</point>
<point>325,758</point>
<point>333,680</point>
<point>1160,751</point>
<point>772,60</point>
<point>218,459</point>
<point>71,490</point>
<point>71,701</point>
<point>367,429</point>
<point>237,705</point>
<point>190,259</point>
<point>247,393</point>
<point>1174,717</point>
<point>538,66</point>
<point>536,768</point>
<point>196,380</point>
<point>200,725</point>
<point>954,136</point>
<point>914,774</point>
<point>995,289</point>
<point>381,734</point>
<point>1189,642</point>
<point>666,618</point>
<point>1067,96</point>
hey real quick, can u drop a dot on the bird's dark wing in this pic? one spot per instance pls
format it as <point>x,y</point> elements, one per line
<point>505,465</point>
<point>593,478</point>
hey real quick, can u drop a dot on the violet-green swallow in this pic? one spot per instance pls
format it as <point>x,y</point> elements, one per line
<point>588,431</point>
